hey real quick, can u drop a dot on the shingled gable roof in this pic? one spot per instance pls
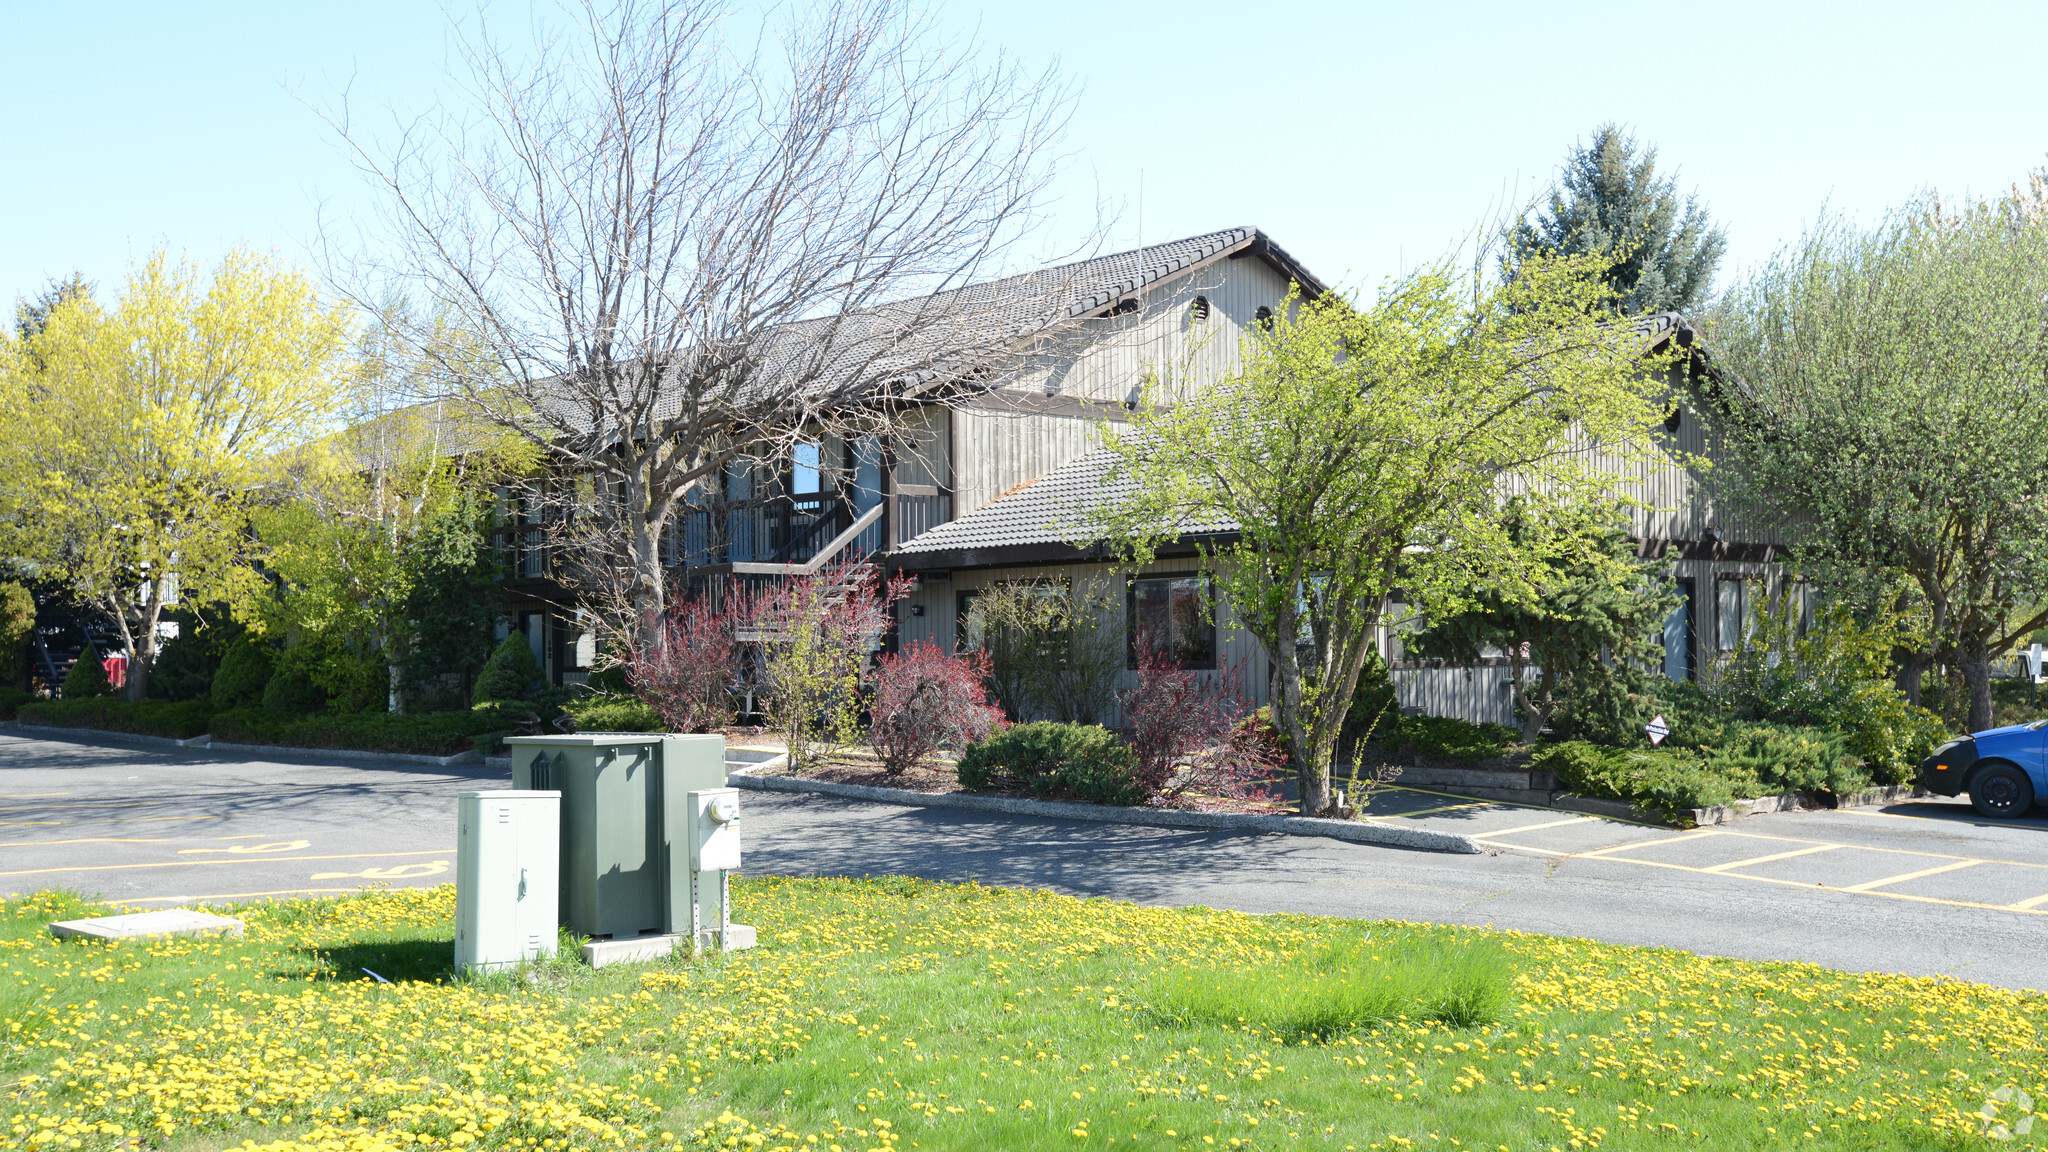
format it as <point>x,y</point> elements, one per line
<point>1045,520</point>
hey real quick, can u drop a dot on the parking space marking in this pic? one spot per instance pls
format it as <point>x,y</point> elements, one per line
<point>1602,852</point>
<point>30,795</point>
<point>223,863</point>
<point>277,846</point>
<point>1433,811</point>
<point>1902,877</point>
<point>1734,864</point>
<point>2030,905</point>
<point>2030,911</point>
<point>121,820</point>
<point>87,804</point>
<point>235,895</point>
<point>1531,827</point>
<point>86,840</point>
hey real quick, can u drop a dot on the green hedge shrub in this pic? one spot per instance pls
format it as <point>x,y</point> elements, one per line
<point>175,719</point>
<point>1752,760</point>
<point>244,672</point>
<point>1085,761</point>
<point>1448,738</point>
<point>88,678</point>
<point>11,699</point>
<point>428,734</point>
<point>607,713</point>
<point>293,693</point>
<point>511,673</point>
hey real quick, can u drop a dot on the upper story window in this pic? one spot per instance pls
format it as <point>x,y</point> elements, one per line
<point>807,474</point>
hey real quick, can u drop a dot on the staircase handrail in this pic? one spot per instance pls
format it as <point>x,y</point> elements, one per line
<point>824,556</point>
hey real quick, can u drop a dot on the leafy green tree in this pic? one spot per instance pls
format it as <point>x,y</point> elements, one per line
<point>245,670</point>
<point>1886,402</point>
<point>1588,617</point>
<point>1364,446</point>
<point>31,316</point>
<point>17,626</point>
<point>1610,201</point>
<point>137,433</point>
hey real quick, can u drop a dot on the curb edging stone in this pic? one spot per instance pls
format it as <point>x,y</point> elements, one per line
<point>208,743</point>
<point>201,741</point>
<point>1355,831</point>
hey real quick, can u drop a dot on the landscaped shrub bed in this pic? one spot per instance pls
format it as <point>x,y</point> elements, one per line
<point>1447,738</point>
<point>177,720</point>
<point>1751,761</point>
<point>1082,761</point>
<point>429,734</point>
<point>12,699</point>
<point>608,713</point>
<point>896,1014</point>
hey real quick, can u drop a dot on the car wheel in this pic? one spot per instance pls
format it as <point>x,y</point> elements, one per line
<point>2002,792</point>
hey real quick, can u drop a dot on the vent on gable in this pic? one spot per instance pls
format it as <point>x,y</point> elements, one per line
<point>1199,310</point>
<point>1264,317</point>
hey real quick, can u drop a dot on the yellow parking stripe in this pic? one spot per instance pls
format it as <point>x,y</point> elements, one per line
<point>1602,852</point>
<point>224,863</point>
<point>1433,811</point>
<point>1905,876</point>
<point>1734,864</point>
<point>242,895</point>
<point>85,840</point>
<point>93,804</point>
<point>2029,905</point>
<point>1531,827</point>
<point>2031,911</point>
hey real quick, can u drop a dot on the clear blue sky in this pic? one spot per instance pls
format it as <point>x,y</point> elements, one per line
<point>1359,135</point>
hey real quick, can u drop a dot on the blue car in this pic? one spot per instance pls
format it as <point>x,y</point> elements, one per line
<point>2003,769</point>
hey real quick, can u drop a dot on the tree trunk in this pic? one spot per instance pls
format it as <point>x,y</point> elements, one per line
<point>1911,666</point>
<point>1976,672</point>
<point>142,643</point>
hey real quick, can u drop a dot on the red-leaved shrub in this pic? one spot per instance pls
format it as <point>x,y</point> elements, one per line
<point>924,699</point>
<point>1185,729</point>
<point>688,673</point>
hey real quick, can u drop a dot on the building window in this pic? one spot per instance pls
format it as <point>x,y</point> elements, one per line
<point>1678,636</point>
<point>1175,616</point>
<point>1737,602</point>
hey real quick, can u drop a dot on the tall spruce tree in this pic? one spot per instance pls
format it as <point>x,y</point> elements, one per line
<point>1610,199</point>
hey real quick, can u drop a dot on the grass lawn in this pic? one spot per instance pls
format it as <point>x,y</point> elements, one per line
<point>895,1014</point>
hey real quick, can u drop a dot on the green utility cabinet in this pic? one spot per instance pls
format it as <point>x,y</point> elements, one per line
<point>626,819</point>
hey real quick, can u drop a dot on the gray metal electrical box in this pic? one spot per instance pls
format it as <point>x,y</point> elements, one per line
<point>506,882</point>
<point>626,823</point>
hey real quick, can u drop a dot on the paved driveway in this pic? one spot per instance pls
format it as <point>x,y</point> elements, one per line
<point>1924,887</point>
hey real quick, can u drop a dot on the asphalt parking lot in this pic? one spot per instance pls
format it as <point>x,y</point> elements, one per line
<point>1924,887</point>
<point>1931,851</point>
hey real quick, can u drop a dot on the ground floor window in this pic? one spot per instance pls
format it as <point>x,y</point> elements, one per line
<point>1176,616</point>
<point>1678,636</point>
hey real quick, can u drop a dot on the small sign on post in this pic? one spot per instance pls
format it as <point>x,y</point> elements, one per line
<point>1657,729</point>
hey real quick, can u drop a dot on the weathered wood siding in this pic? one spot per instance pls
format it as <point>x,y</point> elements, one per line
<point>1099,365</point>
<point>1476,694</point>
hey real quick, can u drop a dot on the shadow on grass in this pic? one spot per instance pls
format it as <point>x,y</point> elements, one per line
<point>398,961</point>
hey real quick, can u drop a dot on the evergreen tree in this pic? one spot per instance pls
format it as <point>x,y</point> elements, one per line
<point>1609,199</point>
<point>1588,626</point>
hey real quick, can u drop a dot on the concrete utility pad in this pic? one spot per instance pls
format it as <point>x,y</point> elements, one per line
<point>144,925</point>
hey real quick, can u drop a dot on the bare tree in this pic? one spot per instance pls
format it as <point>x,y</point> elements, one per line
<point>676,256</point>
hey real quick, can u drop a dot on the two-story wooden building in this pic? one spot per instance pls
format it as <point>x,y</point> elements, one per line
<point>990,485</point>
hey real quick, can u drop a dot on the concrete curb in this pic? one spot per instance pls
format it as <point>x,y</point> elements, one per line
<point>469,757</point>
<point>208,743</point>
<point>1355,831</point>
<point>136,737</point>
